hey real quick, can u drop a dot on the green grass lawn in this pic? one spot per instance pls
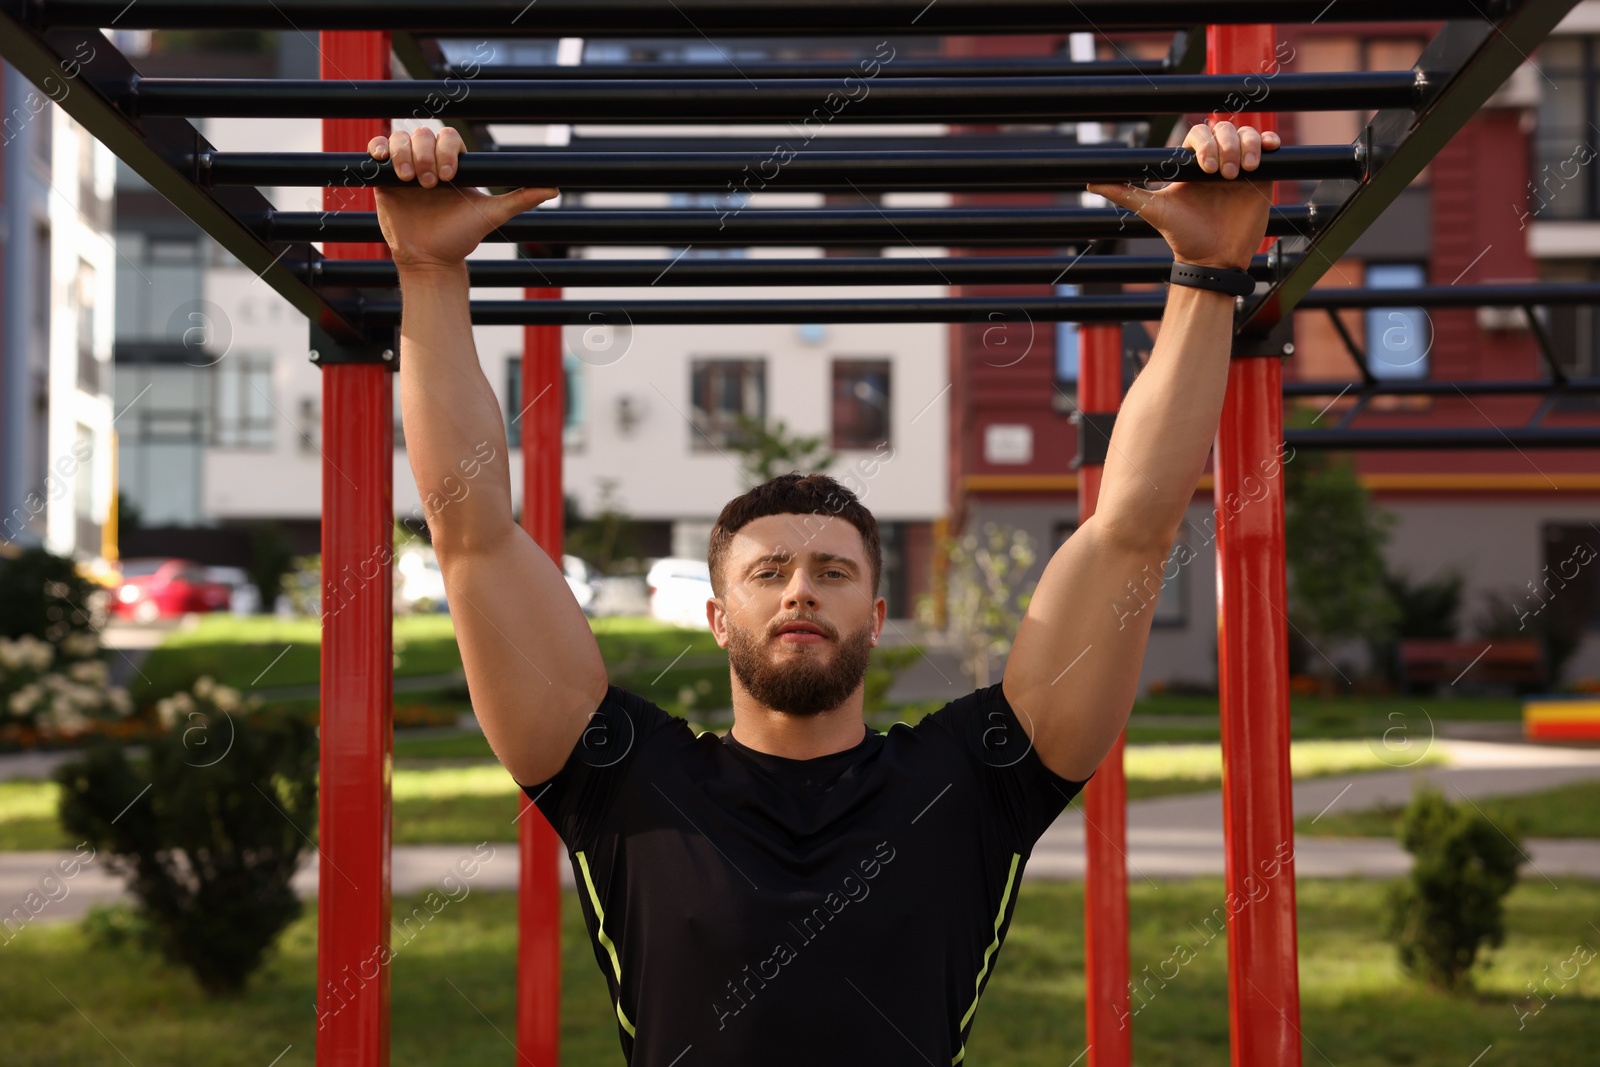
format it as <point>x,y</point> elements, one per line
<point>72,1004</point>
<point>661,662</point>
<point>261,651</point>
<point>437,801</point>
<point>1338,709</point>
<point>1568,811</point>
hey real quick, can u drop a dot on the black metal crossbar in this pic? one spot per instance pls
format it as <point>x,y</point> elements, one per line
<point>862,270</point>
<point>748,18</point>
<point>848,98</point>
<point>734,226</point>
<point>795,171</point>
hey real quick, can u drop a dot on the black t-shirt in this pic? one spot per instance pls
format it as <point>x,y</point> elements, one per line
<point>748,909</point>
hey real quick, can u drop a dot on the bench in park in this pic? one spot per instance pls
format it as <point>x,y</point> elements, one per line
<point>1428,661</point>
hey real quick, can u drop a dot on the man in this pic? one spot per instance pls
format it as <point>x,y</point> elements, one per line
<point>804,890</point>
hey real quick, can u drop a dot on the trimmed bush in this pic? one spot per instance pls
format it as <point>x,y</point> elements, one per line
<point>1453,903</point>
<point>208,828</point>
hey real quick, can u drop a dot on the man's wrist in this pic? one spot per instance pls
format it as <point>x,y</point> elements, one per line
<point>1215,264</point>
<point>1180,292</point>
<point>417,271</point>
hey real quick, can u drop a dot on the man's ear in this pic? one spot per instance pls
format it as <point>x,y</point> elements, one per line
<point>718,618</point>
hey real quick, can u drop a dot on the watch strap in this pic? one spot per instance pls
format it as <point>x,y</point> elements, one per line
<point>1232,280</point>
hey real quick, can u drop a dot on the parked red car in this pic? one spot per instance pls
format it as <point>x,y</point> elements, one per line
<point>157,588</point>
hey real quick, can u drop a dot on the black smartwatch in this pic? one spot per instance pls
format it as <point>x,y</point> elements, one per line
<point>1233,281</point>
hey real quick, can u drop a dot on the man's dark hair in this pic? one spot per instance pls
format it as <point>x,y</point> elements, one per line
<point>798,494</point>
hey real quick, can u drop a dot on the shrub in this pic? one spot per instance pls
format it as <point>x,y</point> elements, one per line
<point>302,585</point>
<point>1453,902</point>
<point>56,691</point>
<point>984,597</point>
<point>42,595</point>
<point>208,829</point>
<point>884,670</point>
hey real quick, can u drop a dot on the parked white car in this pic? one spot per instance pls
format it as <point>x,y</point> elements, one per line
<point>679,589</point>
<point>243,598</point>
<point>421,584</point>
<point>583,582</point>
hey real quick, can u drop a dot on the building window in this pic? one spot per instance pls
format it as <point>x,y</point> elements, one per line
<point>721,392</point>
<point>44,140</point>
<point>243,403</point>
<point>1574,335</point>
<point>1569,593</point>
<point>1173,603</point>
<point>95,209</point>
<point>1564,185</point>
<point>1398,339</point>
<point>1068,347</point>
<point>83,305</point>
<point>860,403</point>
<point>158,296</point>
<point>41,286</point>
<point>572,388</point>
<point>83,480</point>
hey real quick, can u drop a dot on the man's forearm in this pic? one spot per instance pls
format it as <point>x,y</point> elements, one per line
<point>455,438</point>
<point>1168,421</point>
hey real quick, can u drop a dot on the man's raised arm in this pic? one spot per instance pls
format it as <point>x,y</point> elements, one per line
<point>1073,671</point>
<point>532,665</point>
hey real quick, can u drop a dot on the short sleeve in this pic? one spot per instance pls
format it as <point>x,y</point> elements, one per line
<point>1022,796</point>
<point>583,792</point>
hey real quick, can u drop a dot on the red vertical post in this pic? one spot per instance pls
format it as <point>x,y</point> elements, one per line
<point>543,407</point>
<point>1105,798</point>
<point>357,643</point>
<point>1253,671</point>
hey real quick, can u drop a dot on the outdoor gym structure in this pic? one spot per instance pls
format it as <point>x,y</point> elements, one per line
<point>348,294</point>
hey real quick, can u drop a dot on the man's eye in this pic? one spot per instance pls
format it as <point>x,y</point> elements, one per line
<point>760,574</point>
<point>840,573</point>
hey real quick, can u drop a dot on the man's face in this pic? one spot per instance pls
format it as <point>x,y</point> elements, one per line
<point>787,573</point>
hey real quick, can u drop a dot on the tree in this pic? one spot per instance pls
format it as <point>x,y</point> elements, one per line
<point>271,556</point>
<point>1424,607</point>
<point>984,595</point>
<point>608,538</point>
<point>1453,902</point>
<point>1334,540</point>
<point>766,451</point>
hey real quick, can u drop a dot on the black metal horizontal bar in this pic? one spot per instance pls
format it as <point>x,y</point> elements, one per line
<point>753,18</point>
<point>818,101</point>
<point>1434,387</point>
<point>870,227</point>
<point>1126,307</point>
<point>986,311</point>
<point>803,170</point>
<point>1493,439</point>
<point>897,67</point>
<point>1507,294</point>
<point>866,270</point>
<point>761,147</point>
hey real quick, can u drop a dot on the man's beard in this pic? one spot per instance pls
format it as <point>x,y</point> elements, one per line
<point>799,681</point>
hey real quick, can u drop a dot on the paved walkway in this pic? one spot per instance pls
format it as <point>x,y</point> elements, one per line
<point>1168,837</point>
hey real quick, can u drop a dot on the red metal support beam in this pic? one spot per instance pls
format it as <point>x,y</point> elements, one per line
<point>1105,798</point>
<point>1253,671</point>
<point>543,407</point>
<point>357,679</point>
